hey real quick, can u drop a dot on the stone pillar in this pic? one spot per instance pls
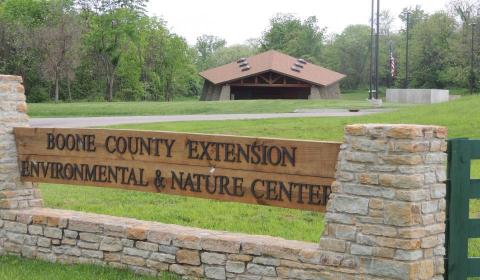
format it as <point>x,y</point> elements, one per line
<point>326,92</point>
<point>225,93</point>
<point>387,208</point>
<point>314,93</point>
<point>13,193</point>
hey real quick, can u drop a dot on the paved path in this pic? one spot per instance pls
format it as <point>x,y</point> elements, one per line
<point>105,121</point>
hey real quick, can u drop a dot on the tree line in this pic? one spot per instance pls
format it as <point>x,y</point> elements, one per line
<point>90,50</point>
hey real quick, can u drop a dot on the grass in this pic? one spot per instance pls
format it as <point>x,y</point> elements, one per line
<point>15,268</point>
<point>90,109</point>
<point>195,212</point>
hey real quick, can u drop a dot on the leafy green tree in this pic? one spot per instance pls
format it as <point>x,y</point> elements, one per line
<point>431,51</point>
<point>18,54</point>
<point>110,38</point>
<point>206,46</point>
<point>178,69</point>
<point>416,15</point>
<point>230,54</point>
<point>467,16</point>
<point>348,53</point>
<point>94,50</point>
<point>295,37</point>
<point>154,52</point>
<point>58,40</point>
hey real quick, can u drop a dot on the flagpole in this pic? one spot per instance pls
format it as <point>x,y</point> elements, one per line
<point>370,78</point>
<point>390,75</point>
<point>377,49</point>
<point>406,56</point>
<point>472,72</point>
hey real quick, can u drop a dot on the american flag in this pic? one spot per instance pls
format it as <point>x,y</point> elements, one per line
<point>393,65</point>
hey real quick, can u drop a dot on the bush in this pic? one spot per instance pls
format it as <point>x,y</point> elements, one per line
<point>38,94</point>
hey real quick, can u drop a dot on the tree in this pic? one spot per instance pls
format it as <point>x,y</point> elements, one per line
<point>58,41</point>
<point>431,51</point>
<point>465,10</point>
<point>94,50</point>
<point>348,53</point>
<point>206,46</point>
<point>18,53</point>
<point>178,68</point>
<point>416,15</point>
<point>295,37</point>
<point>154,52</point>
<point>229,54</point>
<point>105,6</point>
<point>109,39</point>
<point>386,22</point>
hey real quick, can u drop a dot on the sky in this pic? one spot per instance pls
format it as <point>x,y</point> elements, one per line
<point>240,20</point>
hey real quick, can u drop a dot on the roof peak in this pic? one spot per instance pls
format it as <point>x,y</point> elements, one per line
<point>272,60</point>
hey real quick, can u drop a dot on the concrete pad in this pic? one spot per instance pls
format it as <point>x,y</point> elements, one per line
<point>417,96</point>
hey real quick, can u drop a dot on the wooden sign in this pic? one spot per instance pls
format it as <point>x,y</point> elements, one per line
<point>284,173</point>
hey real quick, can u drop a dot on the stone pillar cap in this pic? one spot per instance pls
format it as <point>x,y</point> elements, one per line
<point>399,131</point>
<point>11,78</point>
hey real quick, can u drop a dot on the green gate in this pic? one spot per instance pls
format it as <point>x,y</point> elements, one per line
<point>460,189</point>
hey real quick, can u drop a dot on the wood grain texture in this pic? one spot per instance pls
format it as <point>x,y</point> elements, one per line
<point>298,185</point>
<point>313,158</point>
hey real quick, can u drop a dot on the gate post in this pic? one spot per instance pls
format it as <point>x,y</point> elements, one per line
<point>14,194</point>
<point>460,192</point>
<point>386,213</point>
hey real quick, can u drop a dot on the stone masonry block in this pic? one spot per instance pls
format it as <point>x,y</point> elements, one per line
<point>191,257</point>
<point>402,214</point>
<point>213,258</point>
<point>350,204</point>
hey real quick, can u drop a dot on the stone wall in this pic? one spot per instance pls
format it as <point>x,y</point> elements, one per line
<point>385,218</point>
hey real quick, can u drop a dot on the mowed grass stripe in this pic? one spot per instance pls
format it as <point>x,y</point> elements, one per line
<point>15,268</point>
<point>195,212</point>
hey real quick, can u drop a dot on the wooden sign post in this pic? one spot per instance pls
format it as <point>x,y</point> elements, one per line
<point>276,172</point>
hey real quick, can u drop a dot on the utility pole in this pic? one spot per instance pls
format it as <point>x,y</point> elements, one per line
<point>406,55</point>
<point>377,49</point>
<point>472,64</point>
<point>370,78</point>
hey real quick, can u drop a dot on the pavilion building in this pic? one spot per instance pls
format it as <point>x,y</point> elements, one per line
<point>270,75</point>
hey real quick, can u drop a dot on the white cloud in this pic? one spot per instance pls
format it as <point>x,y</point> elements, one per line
<point>239,20</point>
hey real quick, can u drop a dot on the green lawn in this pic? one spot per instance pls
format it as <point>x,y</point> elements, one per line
<point>208,214</point>
<point>40,110</point>
<point>14,268</point>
